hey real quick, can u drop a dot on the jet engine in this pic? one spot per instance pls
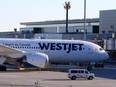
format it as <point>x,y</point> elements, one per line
<point>37,59</point>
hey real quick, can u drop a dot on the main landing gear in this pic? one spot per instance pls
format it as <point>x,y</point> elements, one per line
<point>2,68</point>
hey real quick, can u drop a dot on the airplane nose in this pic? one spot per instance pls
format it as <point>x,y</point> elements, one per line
<point>105,56</point>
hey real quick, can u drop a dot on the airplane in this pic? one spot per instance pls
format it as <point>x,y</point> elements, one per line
<point>41,52</point>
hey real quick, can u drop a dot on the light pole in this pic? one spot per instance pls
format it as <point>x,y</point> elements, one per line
<point>84,19</point>
<point>67,6</point>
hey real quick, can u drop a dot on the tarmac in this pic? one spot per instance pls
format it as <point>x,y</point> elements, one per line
<point>13,78</point>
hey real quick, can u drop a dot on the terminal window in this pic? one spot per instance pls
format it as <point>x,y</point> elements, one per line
<point>95,29</point>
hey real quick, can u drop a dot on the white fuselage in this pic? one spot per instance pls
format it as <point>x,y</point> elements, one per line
<point>60,51</point>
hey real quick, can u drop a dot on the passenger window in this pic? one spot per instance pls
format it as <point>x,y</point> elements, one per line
<point>82,71</point>
<point>74,71</point>
<point>86,72</point>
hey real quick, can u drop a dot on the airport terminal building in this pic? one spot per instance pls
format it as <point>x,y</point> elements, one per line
<point>100,28</point>
<point>56,29</point>
<point>58,26</point>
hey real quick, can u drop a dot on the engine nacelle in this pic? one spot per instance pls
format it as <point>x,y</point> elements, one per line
<point>40,60</point>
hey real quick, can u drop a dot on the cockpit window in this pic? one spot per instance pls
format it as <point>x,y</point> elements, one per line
<point>100,49</point>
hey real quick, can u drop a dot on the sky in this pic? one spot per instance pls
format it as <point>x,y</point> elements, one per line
<point>14,12</point>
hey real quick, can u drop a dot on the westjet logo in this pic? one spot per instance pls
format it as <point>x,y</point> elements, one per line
<point>68,47</point>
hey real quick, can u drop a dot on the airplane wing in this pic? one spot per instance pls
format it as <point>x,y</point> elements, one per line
<point>10,52</point>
